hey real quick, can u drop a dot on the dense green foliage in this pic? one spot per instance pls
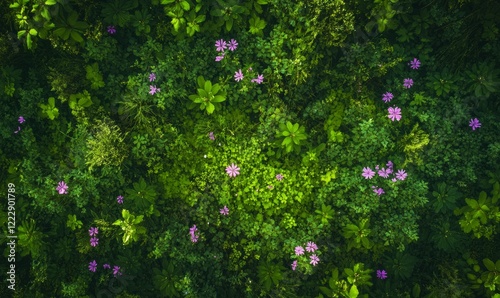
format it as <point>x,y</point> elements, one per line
<point>206,172</point>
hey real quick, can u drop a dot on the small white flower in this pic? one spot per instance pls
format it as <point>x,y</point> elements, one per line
<point>205,156</point>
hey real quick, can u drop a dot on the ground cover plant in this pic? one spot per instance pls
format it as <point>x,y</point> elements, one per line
<point>255,148</point>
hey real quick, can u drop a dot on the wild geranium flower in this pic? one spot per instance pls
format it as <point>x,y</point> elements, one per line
<point>388,171</point>
<point>220,45</point>
<point>94,241</point>
<point>474,123</point>
<point>233,45</point>
<point>311,246</point>
<point>111,30</point>
<point>211,136</point>
<point>21,119</point>
<point>299,250</point>
<point>219,58</point>
<point>224,211</point>
<point>62,188</point>
<point>368,173</point>
<point>93,231</point>
<point>389,164</point>
<point>153,89</point>
<point>192,231</point>
<point>279,177</point>
<point>152,77</point>
<point>93,266</point>
<point>116,271</point>
<point>314,260</point>
<point>388,96</point>
<point>381,274</point>
<point>294,265</point>
<point>258,80</point>
<point>394,179</point>
<point>408,83</point>
<point>383,173</point>
<point>394,113</point>
<point>401,175</point>
<point>238,76</point>
<point>232,170</point>
<point>106,266</point>
<point>378,191</point>
<point>119,199</point>
<point>415,63</point>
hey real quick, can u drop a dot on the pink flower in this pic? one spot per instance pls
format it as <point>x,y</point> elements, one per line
<point>238,76</point>
<point>394,113</point>
<point>21,119</point>
<point>62,188</point>
<point>93,266</point>
<point>311,246</point>
<point>220,45</point>
<point>258,80</point>
<point>415,63</point>
<point>219,58</point>
<point>94,241</point>
<point>111,30</point>
<point>119,199</point>
<point>106,266</point>
<point>192,231</point>
<point>401,175</point>
<point>294,265</point>
<point>153,89</point>
<point>211,136</point>
<point>116,271</point>
<point>299,250</point>
<point>279,177</point>
<point>232,170</point>
<point>314,260</point>
<point>93,231</point>
<point>388,96</point>
<point>383,173</point>
<point>224,211</point>
<point>233,45</point>
<point>368,173</point>
<point>152,77</point>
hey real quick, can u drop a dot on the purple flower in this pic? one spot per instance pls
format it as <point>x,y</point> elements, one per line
<point>21,119</point>
<point>394,179</point>
<point>106,266</point>
<point>381,274</point>
<point>232,170</point>
<point>93,266</point>
<point>299,250</point>
<point>233,45</point>
<point>111,30</point>
<point>294,265</point>
<point>394,113</point>
<point>474,123</point>
<point>153,89</point>
<point>258,80</point>
<point>311,246</point>
<point>211,136</point>
<point>415,63</point>
<point>94,241</point>
<point>279,177</point>
<point>18,129</point>
<point>192,231</point>
<point>119,199</point>
<point>152,77</point>
<point>224,211</point>
<point>62,188</point>
<point>221,45</point>
<point>388,96</point>
<point>219,58</point>
<point>378,191</point>
<point>383,173</point>
<point>408,83</point>
<point>368,173</point>
<point>116,271</point>
<point>93,231</point>
<point>238,76</point>
<point>389,171</point>
<point>401,175</point>
<point>389,164</point>
<point>314,260</point>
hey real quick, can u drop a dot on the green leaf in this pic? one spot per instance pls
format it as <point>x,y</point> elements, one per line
<point>229,24</point>
<point>28,41</point>
<point>353,292</point>
<point>210,108</point>
<point>208,86</point>
<point>21,33</point>
<point>215,88</point>
<point>50,2</point>
<point>52,102</point>
<point>76,36</point>
<point>218,98</point>
<point>489,264</point>
<point>33,32</point>
<point>185,5</point>
<point>201,81</point>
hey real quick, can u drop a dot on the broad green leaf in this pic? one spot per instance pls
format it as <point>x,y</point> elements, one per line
<point>353,293</point>
<point>218,98</point>
<point>289,125</point>
<point>489,264</point>
<point>210,108</point>
<point>76,36</point>
<point>185,5</point>
<point>21,33</point>
<point>208,86</point>
<point>215,88</point>
<point>33,32</point>
<point>50,2</point>
<point>286,141</point>
<point>201,81</point>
